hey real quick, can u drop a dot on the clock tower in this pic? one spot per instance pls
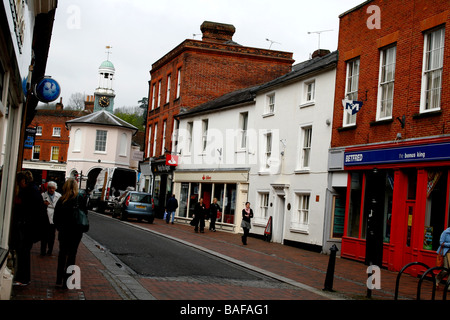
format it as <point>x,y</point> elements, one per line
<point>104,94</point>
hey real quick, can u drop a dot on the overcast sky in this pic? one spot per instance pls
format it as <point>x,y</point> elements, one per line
<point>142,31</point>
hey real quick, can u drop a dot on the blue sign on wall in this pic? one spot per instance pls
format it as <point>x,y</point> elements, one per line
<point>431,152</point>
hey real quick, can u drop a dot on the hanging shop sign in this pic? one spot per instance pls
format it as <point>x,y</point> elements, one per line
<point>419,153</point>
<point>171,160</point>
<point>352,106</point>
<point>47,90</point>
<point>30,134</point>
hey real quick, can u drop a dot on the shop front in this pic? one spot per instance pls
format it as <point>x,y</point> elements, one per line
<point>162,185</point>
<point>230,187</point>
<point>397,202</point>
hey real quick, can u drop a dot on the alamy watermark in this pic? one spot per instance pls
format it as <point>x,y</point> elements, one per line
<point>374,278</point>
<point>374,21</point>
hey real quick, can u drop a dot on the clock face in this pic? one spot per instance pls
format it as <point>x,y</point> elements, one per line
<point>103,102</point>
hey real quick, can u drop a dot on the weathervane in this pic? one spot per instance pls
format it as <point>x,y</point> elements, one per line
<point>108,52</point>
<point>318,32</point>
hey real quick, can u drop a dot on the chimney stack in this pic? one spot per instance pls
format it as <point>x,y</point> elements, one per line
<point>89,104</point>
<point>59,105</point>
<point>217,32</point>
<point>320,53</point>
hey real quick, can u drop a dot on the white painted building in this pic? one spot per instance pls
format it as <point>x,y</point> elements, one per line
<point>294,113</point>
<point>269,144</point>
<point>99,140</point>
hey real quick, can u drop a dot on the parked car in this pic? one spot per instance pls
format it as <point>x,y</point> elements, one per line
<point>134,204</point>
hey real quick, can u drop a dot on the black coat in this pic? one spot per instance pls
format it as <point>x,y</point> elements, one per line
<point>213,209</point>
<point>200,211</point>
<point>64,218</point>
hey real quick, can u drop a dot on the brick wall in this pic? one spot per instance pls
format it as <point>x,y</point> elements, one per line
<point>402,23</point>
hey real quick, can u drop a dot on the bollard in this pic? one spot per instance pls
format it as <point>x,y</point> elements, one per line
<point>330,270</point>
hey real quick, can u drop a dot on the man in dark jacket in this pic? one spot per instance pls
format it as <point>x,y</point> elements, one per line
<point>172,205</point>
<point>214,209</point>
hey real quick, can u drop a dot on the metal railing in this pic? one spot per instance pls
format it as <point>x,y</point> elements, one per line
<point>429,271</point>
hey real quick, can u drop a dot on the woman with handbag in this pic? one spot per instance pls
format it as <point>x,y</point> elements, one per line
<point>247,214</point>
<point>69,232</point>
<point>444,251</point>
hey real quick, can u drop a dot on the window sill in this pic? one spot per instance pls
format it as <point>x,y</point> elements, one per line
<point>381,122</point>
<point>307,104</point>
<point>269,114</point>
<point>347,128</point>
<point>302,171</point>
<point>264,172</point>
<point>427,114</point>
<point>298,228</point>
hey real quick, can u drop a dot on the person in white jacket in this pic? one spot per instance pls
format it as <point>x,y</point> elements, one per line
<point>50,197</point>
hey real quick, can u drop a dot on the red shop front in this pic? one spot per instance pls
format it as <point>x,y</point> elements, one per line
<point>397,203</point>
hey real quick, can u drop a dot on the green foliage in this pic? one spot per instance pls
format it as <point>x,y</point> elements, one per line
<point>133,116</point>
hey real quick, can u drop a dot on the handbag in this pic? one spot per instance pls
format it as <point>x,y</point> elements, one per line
<point>81,218</point>
<point>440,258</point>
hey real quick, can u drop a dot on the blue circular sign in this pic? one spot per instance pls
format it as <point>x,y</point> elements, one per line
<point>47,90</point>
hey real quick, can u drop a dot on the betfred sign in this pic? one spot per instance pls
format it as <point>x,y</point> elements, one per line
<point>171,160</point>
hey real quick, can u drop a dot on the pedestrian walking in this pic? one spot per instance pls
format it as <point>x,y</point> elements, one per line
<point>50,197</point>
<point>172,205</point>
<point>69,234</point>
<point>247,215</point>
<point>214,210</point>
<point>444,248</point>
<point>199,216</point>
<point>27,225</point>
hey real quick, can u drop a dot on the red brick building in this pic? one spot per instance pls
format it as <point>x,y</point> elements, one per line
<point>195,72</point>
<point>47,159</point>
<point>394,151</point>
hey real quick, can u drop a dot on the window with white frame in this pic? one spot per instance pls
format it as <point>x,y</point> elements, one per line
<point>243,124</point>
<point>270,103</point>
<point>268,150</point>
<point>204,134</point>
<point>190,128</point>
<point>149,145</point>
<point>155,136</point>
<point>39,131</point>
<point>123,144</point>
<point>168,88</point>
<point>264,204</point>
<point>163,143</point>
<point>159,93</point>
<point>433,63</point>
<point>305,138</point>
<point>36,152</point>
<point>178,83</point>
<point>302,216</point>
<point>351,89</point>
<point>100,140</point>
<point>55,154</point>
<point>310,91</point>
<point>386,83</point>
<point>56,132</point>
<point>154,96</point>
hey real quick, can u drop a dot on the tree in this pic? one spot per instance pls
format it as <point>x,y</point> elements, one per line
<point>132,115</point>
<point>76,101</point>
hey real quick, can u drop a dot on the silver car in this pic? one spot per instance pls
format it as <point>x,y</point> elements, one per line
<point>135,204</point>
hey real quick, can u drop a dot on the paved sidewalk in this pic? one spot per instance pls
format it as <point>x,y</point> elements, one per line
<point>104,277</point>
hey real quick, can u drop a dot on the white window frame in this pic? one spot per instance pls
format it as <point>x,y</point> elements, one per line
<point>123,145</point>
<point>52,152</point>
<point>190,130</point>
<point>178,83</point>
<point>435,56</point>
<point>155,137</point>
<point>77,141</point>
<point>149,145</point>
<point>351,89</point>
<point>243,120</point>
<point>205,124</point>
<point>263,204</point>
<point>270,104</point>
<point>169,77</point>
<point>306,133</point>
<point>302,214</point>
<point>386,83</point>
<point>56,132</point>
<point>163,143</point>
<point>268,149</point>
<point>153,96</point>
<point>33,152</point>
<point>39,131</point>
<point>100,143</point>
<point>159,93</point>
